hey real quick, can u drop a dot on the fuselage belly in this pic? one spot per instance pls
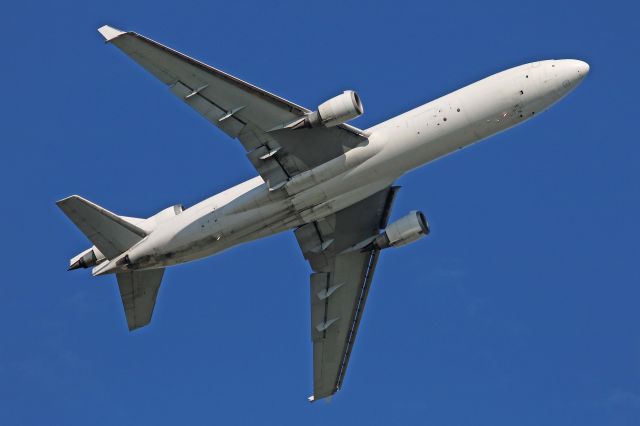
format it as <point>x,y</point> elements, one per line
<point>250,210</point>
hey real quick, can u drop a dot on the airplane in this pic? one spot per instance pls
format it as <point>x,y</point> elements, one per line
<point>328,181</point>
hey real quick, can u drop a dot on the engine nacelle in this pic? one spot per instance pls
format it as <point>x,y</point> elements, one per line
<point>163,215</point>
<point>403,231</point>
<point>335,111</point>
<point>86,259</point>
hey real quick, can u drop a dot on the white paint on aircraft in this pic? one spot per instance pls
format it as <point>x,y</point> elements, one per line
<point>290,194</point>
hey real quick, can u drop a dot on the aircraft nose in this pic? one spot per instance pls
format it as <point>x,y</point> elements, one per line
<point>572,69</point>
<point>581,67</point>
<point>568,74</point>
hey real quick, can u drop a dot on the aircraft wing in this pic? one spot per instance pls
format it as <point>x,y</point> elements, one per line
<point>340,283</point>
<point>254,116</point>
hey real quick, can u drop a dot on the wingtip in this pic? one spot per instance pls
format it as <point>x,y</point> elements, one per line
<point>65,199</point>
<point>109,33</point>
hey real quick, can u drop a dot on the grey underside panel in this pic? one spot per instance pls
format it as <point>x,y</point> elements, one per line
<point>243,111</point>
<point>138,290</point>
<point>111,234</point>
<point>340,283</point>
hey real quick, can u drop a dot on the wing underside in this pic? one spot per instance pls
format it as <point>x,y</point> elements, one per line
<point>257,118</point>
<point>340,283</point>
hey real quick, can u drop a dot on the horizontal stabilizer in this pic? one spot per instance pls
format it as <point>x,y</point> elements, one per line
<point>138,290</point>
<point>110,233</point>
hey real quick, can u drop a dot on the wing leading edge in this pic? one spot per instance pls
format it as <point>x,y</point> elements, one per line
<point>340,280</point>
<point>254,116</point>
<point>340,283</point>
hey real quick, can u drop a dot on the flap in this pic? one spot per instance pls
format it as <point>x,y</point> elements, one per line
<point>255,117</point>
<point>340,283</point>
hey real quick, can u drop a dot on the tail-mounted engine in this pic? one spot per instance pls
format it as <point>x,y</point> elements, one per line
<point>86,259</point>
<point>403,231</point>
<point>163,215</point>
<point>335,111</point>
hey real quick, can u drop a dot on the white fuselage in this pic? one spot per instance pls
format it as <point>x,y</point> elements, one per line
<point>250,210</point>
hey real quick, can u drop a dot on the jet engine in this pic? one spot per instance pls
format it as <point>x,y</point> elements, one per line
<point>86,259</point>
<point>165,214</point>
<point>403,231</point>
<point>150,223</point>
<point>335,111</point>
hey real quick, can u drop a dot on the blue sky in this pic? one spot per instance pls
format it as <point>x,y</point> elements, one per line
<point>520,308</point>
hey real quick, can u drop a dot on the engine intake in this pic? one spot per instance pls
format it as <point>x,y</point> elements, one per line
<point>403,231</point>
<point>335,111</point>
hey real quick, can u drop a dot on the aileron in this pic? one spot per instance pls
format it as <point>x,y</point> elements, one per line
<point>340,283</point>
<point>259,119</point>
<point>336,178</point>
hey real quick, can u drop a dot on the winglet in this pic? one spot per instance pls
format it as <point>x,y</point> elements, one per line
<point>109,33</point>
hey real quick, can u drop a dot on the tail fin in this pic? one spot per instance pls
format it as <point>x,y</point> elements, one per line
<point>110,233</point>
